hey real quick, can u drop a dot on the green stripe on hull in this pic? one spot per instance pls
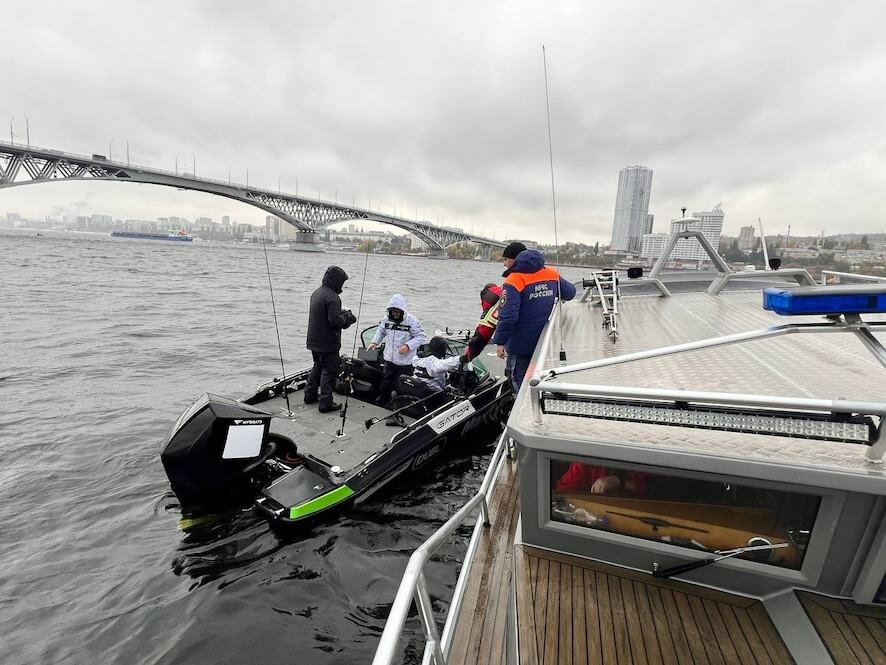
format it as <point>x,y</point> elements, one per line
<point>320,503</point>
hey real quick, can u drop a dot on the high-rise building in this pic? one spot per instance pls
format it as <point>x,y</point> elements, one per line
<point>631,208</point>
<point>650,218</point>
<point>653,245</point>
<point>746,240</point>
<point>710,223</point>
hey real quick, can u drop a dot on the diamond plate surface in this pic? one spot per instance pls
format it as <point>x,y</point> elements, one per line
<point>824,366</point>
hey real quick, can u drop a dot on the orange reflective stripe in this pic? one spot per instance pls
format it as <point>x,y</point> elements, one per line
<point>519,280</point>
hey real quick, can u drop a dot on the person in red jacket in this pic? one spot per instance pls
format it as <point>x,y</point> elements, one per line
<point>595,479</point>
<point>490,302</point>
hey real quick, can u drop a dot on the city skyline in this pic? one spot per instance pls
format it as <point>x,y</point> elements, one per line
<point>774,111</point>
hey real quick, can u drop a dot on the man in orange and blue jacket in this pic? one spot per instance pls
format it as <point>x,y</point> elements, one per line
<point>529,293</point>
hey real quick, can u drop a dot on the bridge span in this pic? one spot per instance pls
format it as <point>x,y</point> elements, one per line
<point>29,165</point>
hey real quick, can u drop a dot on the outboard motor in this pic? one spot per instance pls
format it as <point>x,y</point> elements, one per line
<point>211,451</point>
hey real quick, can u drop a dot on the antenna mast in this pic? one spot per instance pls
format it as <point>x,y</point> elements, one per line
<point>554,205</point>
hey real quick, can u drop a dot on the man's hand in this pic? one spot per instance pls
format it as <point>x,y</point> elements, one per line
<point>404,349</point>
<point>372,345</point>
<point>605,485</point>
<point>464,360</point>
<point>500,351</point>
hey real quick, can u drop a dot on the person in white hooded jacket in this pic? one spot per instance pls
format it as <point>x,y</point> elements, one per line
<point>432,369</point>
<point>402,334</point>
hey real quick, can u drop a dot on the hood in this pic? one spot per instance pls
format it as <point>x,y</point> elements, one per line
<point>398,301</point>
<point>489,296</point>
<point>335,278</point>
<point>527,261</point>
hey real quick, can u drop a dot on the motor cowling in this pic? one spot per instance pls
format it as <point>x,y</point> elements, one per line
<point>214,447</point>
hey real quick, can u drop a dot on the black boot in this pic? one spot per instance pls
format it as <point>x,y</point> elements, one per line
<point>327,408</point>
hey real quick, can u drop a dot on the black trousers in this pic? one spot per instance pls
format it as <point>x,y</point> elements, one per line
<point>389,380</point>
<point>327,366</point>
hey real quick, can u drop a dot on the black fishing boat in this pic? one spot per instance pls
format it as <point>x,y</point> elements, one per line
<point>297,463</point>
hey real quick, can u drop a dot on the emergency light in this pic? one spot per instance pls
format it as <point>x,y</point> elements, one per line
<point>849,299</point>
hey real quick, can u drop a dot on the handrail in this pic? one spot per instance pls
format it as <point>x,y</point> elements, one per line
<point>838,275</point>
<point>414,584</point>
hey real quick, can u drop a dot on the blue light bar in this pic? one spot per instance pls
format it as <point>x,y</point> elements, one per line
<point>852,299</point>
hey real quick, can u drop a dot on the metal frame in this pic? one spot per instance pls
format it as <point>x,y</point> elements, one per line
<point>725,273</point>
<point>848,275</point>
<point>414,585</point>
<point>853,324</point>
<point>606,285</point>
<point>829,510</point>
<point>685,232</point>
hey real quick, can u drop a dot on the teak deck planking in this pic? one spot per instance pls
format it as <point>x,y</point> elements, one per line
<point>853,634</point>
<point>613,616</point>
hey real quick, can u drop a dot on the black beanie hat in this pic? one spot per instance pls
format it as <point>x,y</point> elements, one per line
<point>512,250</point>
<point>438,347</point>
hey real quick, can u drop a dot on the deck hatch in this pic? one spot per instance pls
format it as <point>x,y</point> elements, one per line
<point>848,428</point>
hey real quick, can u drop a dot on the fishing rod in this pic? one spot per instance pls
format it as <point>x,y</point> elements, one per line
<point>554,204</point>
<point>657,571</point>
<point>276,326</point>
<point>350,379</point>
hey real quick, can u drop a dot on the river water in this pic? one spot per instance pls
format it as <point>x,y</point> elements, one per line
<point>103,342</point>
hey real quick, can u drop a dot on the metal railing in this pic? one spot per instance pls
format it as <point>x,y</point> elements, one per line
<point>547,381</point>
<point>414,584</point>
<point>848,275</point>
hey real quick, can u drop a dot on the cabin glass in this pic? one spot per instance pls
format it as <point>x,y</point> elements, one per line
<point>880,597</point>
<point>706,515</point>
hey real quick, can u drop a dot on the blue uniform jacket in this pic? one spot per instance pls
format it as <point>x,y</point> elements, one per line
<point>529,293</point>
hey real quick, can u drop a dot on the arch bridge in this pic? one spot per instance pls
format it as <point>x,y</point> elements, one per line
<point>28,165</point>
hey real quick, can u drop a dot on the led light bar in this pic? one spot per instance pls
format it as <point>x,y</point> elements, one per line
<point>850,299</point>
<point>797,424</point>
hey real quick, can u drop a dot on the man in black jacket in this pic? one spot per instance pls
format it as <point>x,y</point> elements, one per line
<point>326,320</point>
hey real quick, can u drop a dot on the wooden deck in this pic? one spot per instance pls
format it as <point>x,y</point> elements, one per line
<point>583,612</point>
<point>480,634</point>
<point>853,634</point>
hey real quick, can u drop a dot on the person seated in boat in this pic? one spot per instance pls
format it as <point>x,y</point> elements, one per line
<point>431,368</point>
<point>596,479</point>
<point>490,301</point>
<point>401,333</point>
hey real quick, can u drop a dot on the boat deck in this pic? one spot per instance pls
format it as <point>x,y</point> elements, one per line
<point>853,634</point>
<point>479,637</point>
<point>315,432</point>
<point>833,364</point>
<point>572,610</point>
<point>580,611</point>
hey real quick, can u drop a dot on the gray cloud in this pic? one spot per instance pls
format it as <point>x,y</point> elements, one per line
<point>775,109</point>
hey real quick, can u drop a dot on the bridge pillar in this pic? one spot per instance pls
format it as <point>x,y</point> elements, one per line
<point>306,241</point>
<point>437,254</point>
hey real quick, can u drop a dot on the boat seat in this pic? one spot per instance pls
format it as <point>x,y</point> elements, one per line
<point>411,390</point>
<point>366,379</point>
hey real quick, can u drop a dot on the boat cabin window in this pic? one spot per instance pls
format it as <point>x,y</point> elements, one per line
<point>688,512</point>
<point>881,593</point>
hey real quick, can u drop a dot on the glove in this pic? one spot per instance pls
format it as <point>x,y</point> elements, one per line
<point>349,317</point>
<point>464,360</point>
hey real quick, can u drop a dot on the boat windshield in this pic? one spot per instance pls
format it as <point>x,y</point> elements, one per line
<point>456,348</point>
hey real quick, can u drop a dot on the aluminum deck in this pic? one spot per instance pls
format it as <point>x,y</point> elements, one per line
<point>834,365</point>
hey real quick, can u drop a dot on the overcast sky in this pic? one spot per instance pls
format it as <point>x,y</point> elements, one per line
<point>775,109</point>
